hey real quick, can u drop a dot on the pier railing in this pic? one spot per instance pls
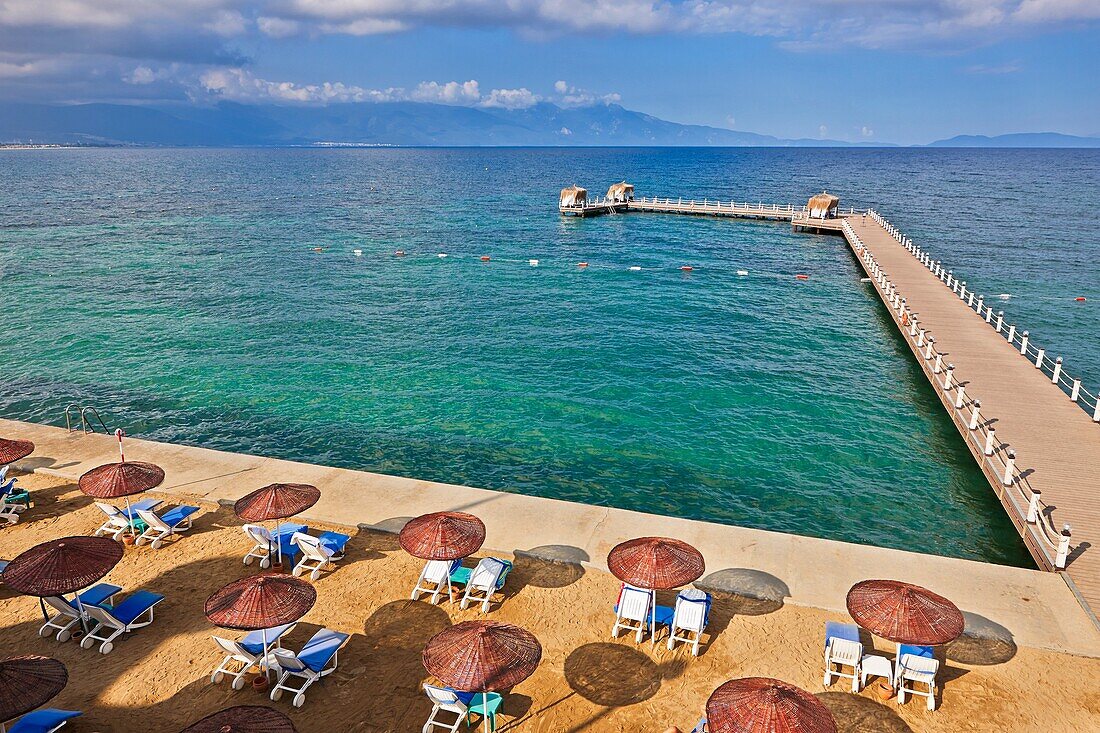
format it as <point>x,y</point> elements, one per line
<point>1088,401</point>
<point>998,460</point>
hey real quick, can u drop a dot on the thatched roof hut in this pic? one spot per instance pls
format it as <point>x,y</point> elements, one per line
<point>621,192</point>
<point>573,196</point>
<point>823,206</point>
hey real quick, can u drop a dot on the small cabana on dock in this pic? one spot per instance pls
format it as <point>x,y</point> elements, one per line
<point>573,196</point>
<point>823,206</point>
<point>620,193</point>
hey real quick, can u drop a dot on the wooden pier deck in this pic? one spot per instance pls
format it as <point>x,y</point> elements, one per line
<point>1044,441</point>
<point>706,207</point>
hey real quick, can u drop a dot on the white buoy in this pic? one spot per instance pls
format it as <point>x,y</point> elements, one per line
<point>533,263</point>
<point>742,273</point>
<point>357,252</point>
<point>441,255</point>
<point>1004,296</point>
<point>634,268</point>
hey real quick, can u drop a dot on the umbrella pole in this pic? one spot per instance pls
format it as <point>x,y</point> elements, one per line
<point>263,662</point>
<point>279,541</point>
<point>80,610</point>
<point>653,619</point>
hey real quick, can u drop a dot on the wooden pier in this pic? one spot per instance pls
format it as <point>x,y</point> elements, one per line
<point>1031,427</point>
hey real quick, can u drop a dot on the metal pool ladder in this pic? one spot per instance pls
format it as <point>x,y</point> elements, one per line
<point>89,416</point>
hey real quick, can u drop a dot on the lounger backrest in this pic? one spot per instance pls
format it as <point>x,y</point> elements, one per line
<point>232,647</point>
<point>634,603</point>
<point>287,660</point>
<point>104,617</point>
<point>61,605</point>
<point>109,510</point>
<point>3,472</point>
<point>690,614</point>
<point>436,571</point>
<point>445,699</point>
<point>257,534</point>
<point>912,662</point>
<point>311,546</point>
<point>153,520</point>
<point>845,652</point>
<point>487,573</point>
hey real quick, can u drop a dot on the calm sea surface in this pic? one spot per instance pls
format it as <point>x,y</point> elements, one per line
<point>177,291</point>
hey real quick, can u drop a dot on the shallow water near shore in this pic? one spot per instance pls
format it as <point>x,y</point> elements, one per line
<point>179,292</point>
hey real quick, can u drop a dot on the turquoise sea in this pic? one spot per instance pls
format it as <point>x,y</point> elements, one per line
<point>178,291</point>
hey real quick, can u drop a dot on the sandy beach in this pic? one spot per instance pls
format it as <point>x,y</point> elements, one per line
<point>586,681</point>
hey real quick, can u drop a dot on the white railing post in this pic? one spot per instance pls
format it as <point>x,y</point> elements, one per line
<point>1096,412</point>
<point>1012,333</point>
<point>1076,391</point>
<point>950,277</point>
<point>962,290</point>
<point>1033,506</point>
<point>989,314</point>
<point>960,398</point>
<point>977,406</point>
<point>1057,371</point>
<point>1010,468</point>
<point>1023,343</point>
<point>912,326</point>
<point>928,348</point>
<point>947,377</point>
<point>1000,320</point>
<point>938,366</point>
<point>1063,549</point>
<point>970,300</point>
<point>981,304</point>
<point>1039,358</point>
<point>990,440</point>
<point>920,338</point>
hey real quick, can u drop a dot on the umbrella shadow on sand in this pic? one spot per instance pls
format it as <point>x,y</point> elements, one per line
<point>983,642</point>
<point>53,502</point>
<point>856,714</point>
<point>546,566</point>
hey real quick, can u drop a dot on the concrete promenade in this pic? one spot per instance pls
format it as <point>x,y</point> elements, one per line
<point>1036,608</point>
<point>1026,427</point>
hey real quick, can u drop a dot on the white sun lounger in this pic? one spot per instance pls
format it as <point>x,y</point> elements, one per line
<point>264,541</point>
<point>246,653</point>
<point>842,649</point>
<point>135,611</point>
<point>66,615</point>
<point>459,704</point>
<point>689,619</point>
<point>318,552</point>
<point>918,670</point>
<point>435,576</point>
<point>317,659</point>
<point>118,523</point>
<point>159,528</point>
<point>485,580</point>
<point>632,612</point>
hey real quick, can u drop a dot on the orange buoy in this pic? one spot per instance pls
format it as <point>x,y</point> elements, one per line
<point>484,258</point>
<point>802,277</point>
<point>318,249</point>
<point>400,253</point>
<point>582,264</point>
<point>1080,299</point>
<point>686,268</point>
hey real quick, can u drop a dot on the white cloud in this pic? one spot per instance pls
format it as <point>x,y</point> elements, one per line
<point>277,27</point>
<point>227,23</point>
<point>140,75</point>
<point>521,98</point>
<point>731,121</point>
<point>866,131</point>
<point>994,69</point>
<point>822,131</point>
<point>452,92</point>
<point>571,96</point>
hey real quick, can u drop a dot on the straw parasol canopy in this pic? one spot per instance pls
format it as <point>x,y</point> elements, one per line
<point>276,501</point>
<point>823,204</point>
<point>443,536</point>
<point>903,612</point>
<point>260,602</point>
<point>115,480</point>
<point>62,566</point>
<point>655,563</point>
<point>620,191</point>
<point>572,196</point>
<point>243,719</point>
<point>29,682</point>
<point>14,450</point>
<point>481,656</point>
<point>764,705</point>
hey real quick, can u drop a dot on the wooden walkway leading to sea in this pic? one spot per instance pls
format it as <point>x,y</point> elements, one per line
<point>1031,427</point>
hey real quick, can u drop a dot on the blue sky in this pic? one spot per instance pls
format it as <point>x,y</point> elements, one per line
<point>892,70</point>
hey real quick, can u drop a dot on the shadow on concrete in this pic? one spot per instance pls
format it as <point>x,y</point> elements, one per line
<point>550,566</point>
<point>744,591</point>
<point>856,714</point>
<point>983,642</point>
<point>34,463</point>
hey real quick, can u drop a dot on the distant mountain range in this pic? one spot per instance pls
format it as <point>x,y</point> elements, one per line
<point>402,123</point>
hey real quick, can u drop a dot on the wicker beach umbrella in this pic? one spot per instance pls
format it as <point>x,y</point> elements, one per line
<point>276,501</point>
<point>905,613</point>
<point>655,563</point>
<point>14,450</point>
<point>260,602</point>
<point>62,566</point>
<point>763,705</point>
<point>122,479</point>
<point>482,656</point>
<point>243,719</point>
<point>443,536</point>
<point>29,682</point>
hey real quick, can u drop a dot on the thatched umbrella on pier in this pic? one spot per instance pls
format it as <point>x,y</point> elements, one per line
<point>764,705</point>
<point>279,502</point>
<point>122,479</point>
<point>260,602</point>
<point>14,450</point>
<point>620,192</point>
<point>573,196</point>
<point>823,205</point>
<point>482,656</point>
<point>29,682</point>
<point>243,719</point>
<point>904,613</point>
<point>655,563</point>
<point>62,566</point>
